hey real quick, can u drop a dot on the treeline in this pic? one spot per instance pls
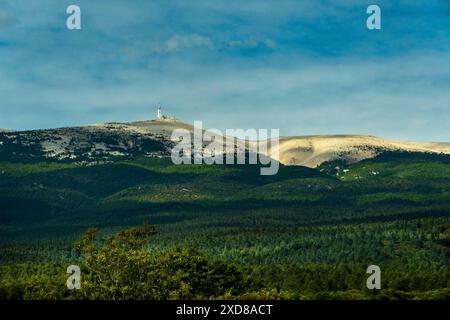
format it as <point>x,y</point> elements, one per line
<point>417,242</point>
<point>122,267</point>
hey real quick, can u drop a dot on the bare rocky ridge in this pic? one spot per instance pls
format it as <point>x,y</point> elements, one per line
<point>105,141</point>
<point>84,144</point>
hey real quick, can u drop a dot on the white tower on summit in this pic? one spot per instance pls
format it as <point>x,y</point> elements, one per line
<point>159,115</point>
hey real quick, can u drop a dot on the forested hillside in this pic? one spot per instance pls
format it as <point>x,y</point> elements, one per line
<point>303,233</point>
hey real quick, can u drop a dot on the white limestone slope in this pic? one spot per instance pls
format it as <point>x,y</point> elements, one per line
<point>311,151</point>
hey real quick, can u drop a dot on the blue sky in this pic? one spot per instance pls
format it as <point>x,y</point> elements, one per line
<point>305,67</point>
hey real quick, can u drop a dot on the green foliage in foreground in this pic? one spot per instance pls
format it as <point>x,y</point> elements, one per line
<point>118,268</point>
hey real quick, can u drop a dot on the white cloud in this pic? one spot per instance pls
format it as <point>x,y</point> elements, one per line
<point>180,42</point>
<point>251,43</point>
<point>6,18</point>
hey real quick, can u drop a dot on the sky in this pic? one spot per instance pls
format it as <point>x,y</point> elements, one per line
<point>304,67</point>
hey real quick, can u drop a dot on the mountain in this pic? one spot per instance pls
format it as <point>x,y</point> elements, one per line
<point>107,141</point>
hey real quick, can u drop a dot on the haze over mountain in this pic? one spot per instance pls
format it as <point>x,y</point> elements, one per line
<point>151,138</point>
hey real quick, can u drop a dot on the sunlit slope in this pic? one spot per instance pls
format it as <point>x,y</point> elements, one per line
<point>312,151</point>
